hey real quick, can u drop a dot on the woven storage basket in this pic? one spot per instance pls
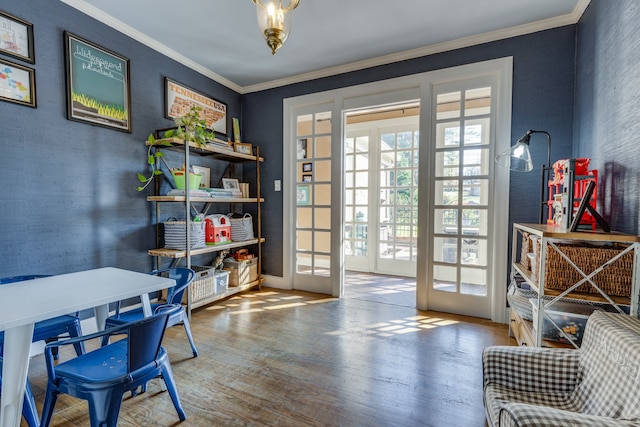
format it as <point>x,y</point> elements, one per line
<point>615,280</point>
<point>241,228</point>
<point>175,234</point>
<point>204,284</point>
<point>241,272</point>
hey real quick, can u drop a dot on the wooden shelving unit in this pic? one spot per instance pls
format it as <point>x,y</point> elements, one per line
<point>551,239</point>
<point>177,255</point>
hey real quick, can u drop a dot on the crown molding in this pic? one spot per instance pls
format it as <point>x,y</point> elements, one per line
<point>464,42</point>
<point>506,33</point>
<point>148,41</point>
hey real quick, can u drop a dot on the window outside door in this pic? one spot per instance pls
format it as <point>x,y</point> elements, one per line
<point>381,195</point>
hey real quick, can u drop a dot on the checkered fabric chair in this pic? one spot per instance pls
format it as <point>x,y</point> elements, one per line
<point>597,385</point>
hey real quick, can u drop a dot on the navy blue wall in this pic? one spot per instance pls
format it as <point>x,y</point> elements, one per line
<point>67,197</point>
<point>543,88</point>
<point>67,189</point>
<point>607,128</point>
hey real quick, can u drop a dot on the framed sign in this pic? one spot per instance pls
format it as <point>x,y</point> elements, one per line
<point>179,98</point>
<point>243,147</point>
<point>98,90</point>
<point>16,38</point>
<point>17,84</point>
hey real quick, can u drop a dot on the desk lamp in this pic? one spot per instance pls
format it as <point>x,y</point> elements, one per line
<point>518,158</point>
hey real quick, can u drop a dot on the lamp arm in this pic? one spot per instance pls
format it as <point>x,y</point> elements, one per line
<point>529,132</point>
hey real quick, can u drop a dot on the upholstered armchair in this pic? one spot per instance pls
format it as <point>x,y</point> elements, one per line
<point>596,385</point>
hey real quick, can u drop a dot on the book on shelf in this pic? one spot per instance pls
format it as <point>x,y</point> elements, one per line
<point>219,143</point>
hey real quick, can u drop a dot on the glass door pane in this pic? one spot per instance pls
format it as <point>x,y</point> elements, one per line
<point>313,195</point>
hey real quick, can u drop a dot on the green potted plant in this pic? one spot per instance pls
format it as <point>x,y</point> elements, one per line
<point>190,127</point>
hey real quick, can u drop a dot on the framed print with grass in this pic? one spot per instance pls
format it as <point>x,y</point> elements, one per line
<point>17,84</point>
<point>16,38</point>
<point>98,84</point>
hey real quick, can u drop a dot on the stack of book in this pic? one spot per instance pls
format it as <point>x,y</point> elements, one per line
<point>218,143</point>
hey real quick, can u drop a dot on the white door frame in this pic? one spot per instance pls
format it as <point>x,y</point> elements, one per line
<point>399,90</point>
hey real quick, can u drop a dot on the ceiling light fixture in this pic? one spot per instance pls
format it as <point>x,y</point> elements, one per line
<point>274,21</point>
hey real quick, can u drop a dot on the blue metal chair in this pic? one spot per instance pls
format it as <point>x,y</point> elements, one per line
<point>183,277</point>
<point>49,330</point>
<point>102,376</point>
<point>29,411</point>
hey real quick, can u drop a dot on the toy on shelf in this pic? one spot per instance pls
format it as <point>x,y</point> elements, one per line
<point>567,189</point>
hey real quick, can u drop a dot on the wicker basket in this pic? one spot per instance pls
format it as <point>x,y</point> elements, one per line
<point>207,283</point>
<point>615,280</point>
<point>241,272</point>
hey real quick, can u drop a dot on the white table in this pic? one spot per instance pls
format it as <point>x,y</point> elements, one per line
<point>24,303</point>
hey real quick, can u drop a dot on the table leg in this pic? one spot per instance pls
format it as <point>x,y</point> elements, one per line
<point>17,343</point>
<point>146,305</point>
<point>101,312</point>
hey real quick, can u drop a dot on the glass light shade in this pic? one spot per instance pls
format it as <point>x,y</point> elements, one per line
<point>274,23</point>
<point>517,158</point>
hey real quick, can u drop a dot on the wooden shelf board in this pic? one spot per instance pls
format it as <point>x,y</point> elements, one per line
<point>212,151</point>
<point>229,292</point>
<point>550,231</point>
<point>204,199</point>
<point>181,253</point>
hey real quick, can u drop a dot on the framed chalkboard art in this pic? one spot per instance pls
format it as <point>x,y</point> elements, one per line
<point>98,84</point>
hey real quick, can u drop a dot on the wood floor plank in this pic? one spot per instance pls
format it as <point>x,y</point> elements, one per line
<point>286,358</point>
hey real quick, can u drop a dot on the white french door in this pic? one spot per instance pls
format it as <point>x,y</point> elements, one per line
<point>462,197</point>
<point>462,211</point>
<point>313,238</point>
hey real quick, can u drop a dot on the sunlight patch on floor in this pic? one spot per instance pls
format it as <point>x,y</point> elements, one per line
<point>396,327</point>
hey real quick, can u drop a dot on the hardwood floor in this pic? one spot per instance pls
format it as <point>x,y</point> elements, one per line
<point>286,358</point>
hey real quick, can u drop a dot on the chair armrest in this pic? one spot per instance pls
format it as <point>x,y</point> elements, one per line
<point>524,415</point>
<point>527,369</point>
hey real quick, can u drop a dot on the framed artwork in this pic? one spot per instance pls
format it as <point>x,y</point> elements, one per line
<point>307,167</point>
<point>302,195</point>
<point>302,148</point>
<point>16,38</point>
<point>179,98</point>
<point>205,173</point>
<point>98,84</point>
<point>17,84</point>
<point>230,184</point>
<point>243,147</point>
<point>306,178</point>
<point>236,129</point>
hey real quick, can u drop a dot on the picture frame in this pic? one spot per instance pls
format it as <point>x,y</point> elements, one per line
<point>230,184</point>
<point>302,148</point>
<point>307,167</point>
<point>302,195</point>
<point>178,99</point>
<point>18,84</point>
<point>16,38</point>
<point>236,129</point>
<point>243,148</point>
<point>307,178</point>
<point>205,173</point>
<point>98,84</point>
